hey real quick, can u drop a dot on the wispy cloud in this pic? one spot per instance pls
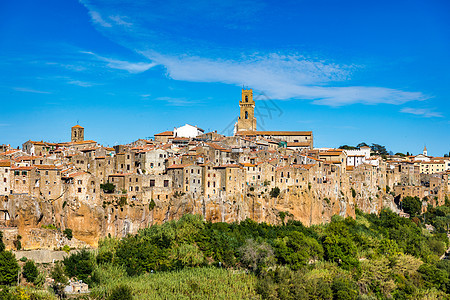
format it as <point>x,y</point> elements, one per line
<point>280,74</point>
<point>27,90</point>
<point>81,83</point>
<point>176,101</point>
<point>285,77</point>
<point>119,20</point>
<point>97,18</point>
<point>423,112</point>
<point>131,67</point>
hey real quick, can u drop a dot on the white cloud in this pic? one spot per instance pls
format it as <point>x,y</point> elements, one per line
<point>131,67</point>
<point>176,101</point>
<point>285,77</point>
<point>423,112</point>
<point>81,83</point>
<point>199,59</point>
<point>97,18</point>
<point>27,90</point>
<point>119,20</point>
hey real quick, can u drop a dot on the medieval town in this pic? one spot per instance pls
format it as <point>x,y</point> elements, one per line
<point>97,191</point>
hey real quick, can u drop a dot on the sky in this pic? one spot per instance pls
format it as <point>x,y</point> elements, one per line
<point>350,71</point>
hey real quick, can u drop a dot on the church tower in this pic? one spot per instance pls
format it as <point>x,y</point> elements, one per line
<point>77,133</point>
<point>425,151</point>
<point>246,120</point>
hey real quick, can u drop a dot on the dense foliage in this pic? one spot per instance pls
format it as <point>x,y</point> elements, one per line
<point>381,256</point>
<point>9,267</point>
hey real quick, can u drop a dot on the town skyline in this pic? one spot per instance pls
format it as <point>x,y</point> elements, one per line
<point>125,75</point>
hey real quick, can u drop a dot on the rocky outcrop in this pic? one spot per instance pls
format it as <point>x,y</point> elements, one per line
<point>35,220</point>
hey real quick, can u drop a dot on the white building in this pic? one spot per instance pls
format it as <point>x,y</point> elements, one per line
<point>358,156</point>
<point>187,131</point>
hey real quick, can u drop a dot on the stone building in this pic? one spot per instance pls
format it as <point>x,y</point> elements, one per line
<point>246,120</point>
<point>5,177</point>
<point>77,134</point>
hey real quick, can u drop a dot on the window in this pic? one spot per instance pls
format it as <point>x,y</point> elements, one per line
<point>166,183</point>
<point>246,115</point>
<point>246,99</point>
<point>79,190</point>
<point>80,182</point>
<point>137,189</point>
<point>152,182</point>
<point>46,172</point>
<point>131,188</point>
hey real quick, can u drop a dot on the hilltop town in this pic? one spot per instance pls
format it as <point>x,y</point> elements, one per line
<point>92,191</point>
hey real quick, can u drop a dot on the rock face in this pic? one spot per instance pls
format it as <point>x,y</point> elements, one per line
<point>31,219</point>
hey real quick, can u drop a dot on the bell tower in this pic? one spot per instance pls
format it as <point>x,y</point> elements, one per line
<point>246,120</point>
<point>77,133</point>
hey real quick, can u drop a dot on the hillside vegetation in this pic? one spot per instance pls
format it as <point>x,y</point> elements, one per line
<point>380,256</point>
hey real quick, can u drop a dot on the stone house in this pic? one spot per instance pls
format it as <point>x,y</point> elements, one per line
<point>5,177</point>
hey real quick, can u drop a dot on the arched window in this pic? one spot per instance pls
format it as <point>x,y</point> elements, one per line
<point>246,98</point>
<point>246,114</point>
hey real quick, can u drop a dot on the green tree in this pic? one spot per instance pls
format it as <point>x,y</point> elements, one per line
<point>9,268</point>
<point>275,192</point>
<point>30,271</point>
<point>68,233</point>
<point>108,187</point>
<point>411,205</point>
<point>79,265</point>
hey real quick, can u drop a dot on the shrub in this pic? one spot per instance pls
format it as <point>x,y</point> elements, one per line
<point>8,268</point>
<point>121,292</point>
<point>30,271</point>
<point>275,192</point>
<point>79,265</point>
<point>151,205</point>
<point>108,187</point>
<point>68,233</point>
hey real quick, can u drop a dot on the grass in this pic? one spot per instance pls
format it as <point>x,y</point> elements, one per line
<point>195,283</point>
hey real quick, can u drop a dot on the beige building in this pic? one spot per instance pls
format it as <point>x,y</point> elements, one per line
<point>433,166</point>
<point>5,177</point>
<point>246,120</point>
<point>77,134</point>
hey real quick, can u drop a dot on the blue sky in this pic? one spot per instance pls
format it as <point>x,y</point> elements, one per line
<point>350,71</point>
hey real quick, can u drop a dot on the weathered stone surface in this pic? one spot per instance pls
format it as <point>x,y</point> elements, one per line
<point>90,221</point>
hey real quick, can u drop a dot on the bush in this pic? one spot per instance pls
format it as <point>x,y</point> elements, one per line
<point>121,292</point>
<point>30,271</point>
<point>108,187</point>
<point>68,233</point>
<point>275,192</point>
<point>9,268</point>
<point>411,205</point>
<point>79,265</point>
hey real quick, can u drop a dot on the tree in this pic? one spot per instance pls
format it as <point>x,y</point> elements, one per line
<point>59,279</point>
<point>257,256</point>
<point>68,233</point>
<point>79,265</point>
<point>30,271</point>
<point>275,192</point>
<point>362,145</point>
<point>347,147</point>
<point>412,205</point>
<point>9,267</point>
<point>108,187</point>
<point>379,149</point>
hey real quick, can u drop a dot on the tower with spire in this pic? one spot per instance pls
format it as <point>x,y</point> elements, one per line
<point>425,152</point>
